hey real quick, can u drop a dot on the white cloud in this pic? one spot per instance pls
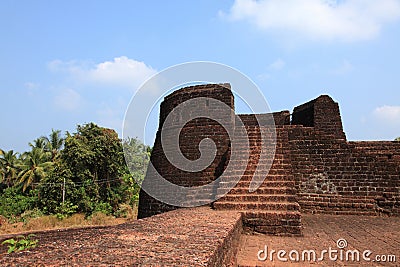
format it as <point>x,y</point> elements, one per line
<point>345,20</point>
<point>277,64</point>
<point>121,72</point>
<point>31,85</point>
<point>68,100</point>
<point>388,113</point>
<point>344,68</point>
<point>263,76</point>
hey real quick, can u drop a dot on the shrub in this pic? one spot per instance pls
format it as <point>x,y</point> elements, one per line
<point>31,214</point>
<point>102,207</point>
<point>13,203</point>
<point>65,209</point>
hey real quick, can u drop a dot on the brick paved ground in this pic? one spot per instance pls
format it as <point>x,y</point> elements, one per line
<point>204,237</point>
<point>185,237</point>
<point>378,234</point>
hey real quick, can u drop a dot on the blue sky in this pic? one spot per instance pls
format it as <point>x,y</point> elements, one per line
<point>65,63</point>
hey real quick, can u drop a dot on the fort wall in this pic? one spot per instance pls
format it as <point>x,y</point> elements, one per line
<point>315,168</point>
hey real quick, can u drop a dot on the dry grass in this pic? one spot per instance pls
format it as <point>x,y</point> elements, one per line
<point>76,220</point>
<point>100,218</point>
<point>44,222</point>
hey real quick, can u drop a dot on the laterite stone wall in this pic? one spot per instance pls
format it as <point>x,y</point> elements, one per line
<point>326,173</point>
<point>336,176</point>
<point>190,136</point>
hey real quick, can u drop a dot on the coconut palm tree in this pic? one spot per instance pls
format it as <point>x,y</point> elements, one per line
<point>8,167</point>
<point>1,168</point>
<point>54,143</point>
<point>39,142</point>
<point>35,164</point>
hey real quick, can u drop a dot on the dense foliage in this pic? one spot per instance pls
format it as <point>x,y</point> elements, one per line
<point>83,172</point>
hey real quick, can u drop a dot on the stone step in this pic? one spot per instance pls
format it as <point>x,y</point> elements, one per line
<point>287,223</point>
<point>263,206</point>
<point>261,190</point>
<point>279,177</point>
<point>256,197</point>
<point>249,174</point>
<point>288,214</point>
<point>277,163</point>
<point>265,172</point>
<point>265,184</point>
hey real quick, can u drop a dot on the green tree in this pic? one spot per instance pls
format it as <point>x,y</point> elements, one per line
<point>35,164</point>
<point>9,167</point>
<point>1,168</point>
<point>51,188</point>
<point>397,139</point>
<point>137,156</point>
<point>92,164</point>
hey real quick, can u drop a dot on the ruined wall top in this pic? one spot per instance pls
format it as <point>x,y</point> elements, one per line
<point>321,113</point>
<point>221,92</point>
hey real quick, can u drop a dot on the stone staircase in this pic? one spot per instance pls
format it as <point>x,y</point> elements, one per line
<point>272,208</point>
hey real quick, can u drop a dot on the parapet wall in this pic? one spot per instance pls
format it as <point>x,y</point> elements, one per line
<point>186,237</point>
<point>334,176</point>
